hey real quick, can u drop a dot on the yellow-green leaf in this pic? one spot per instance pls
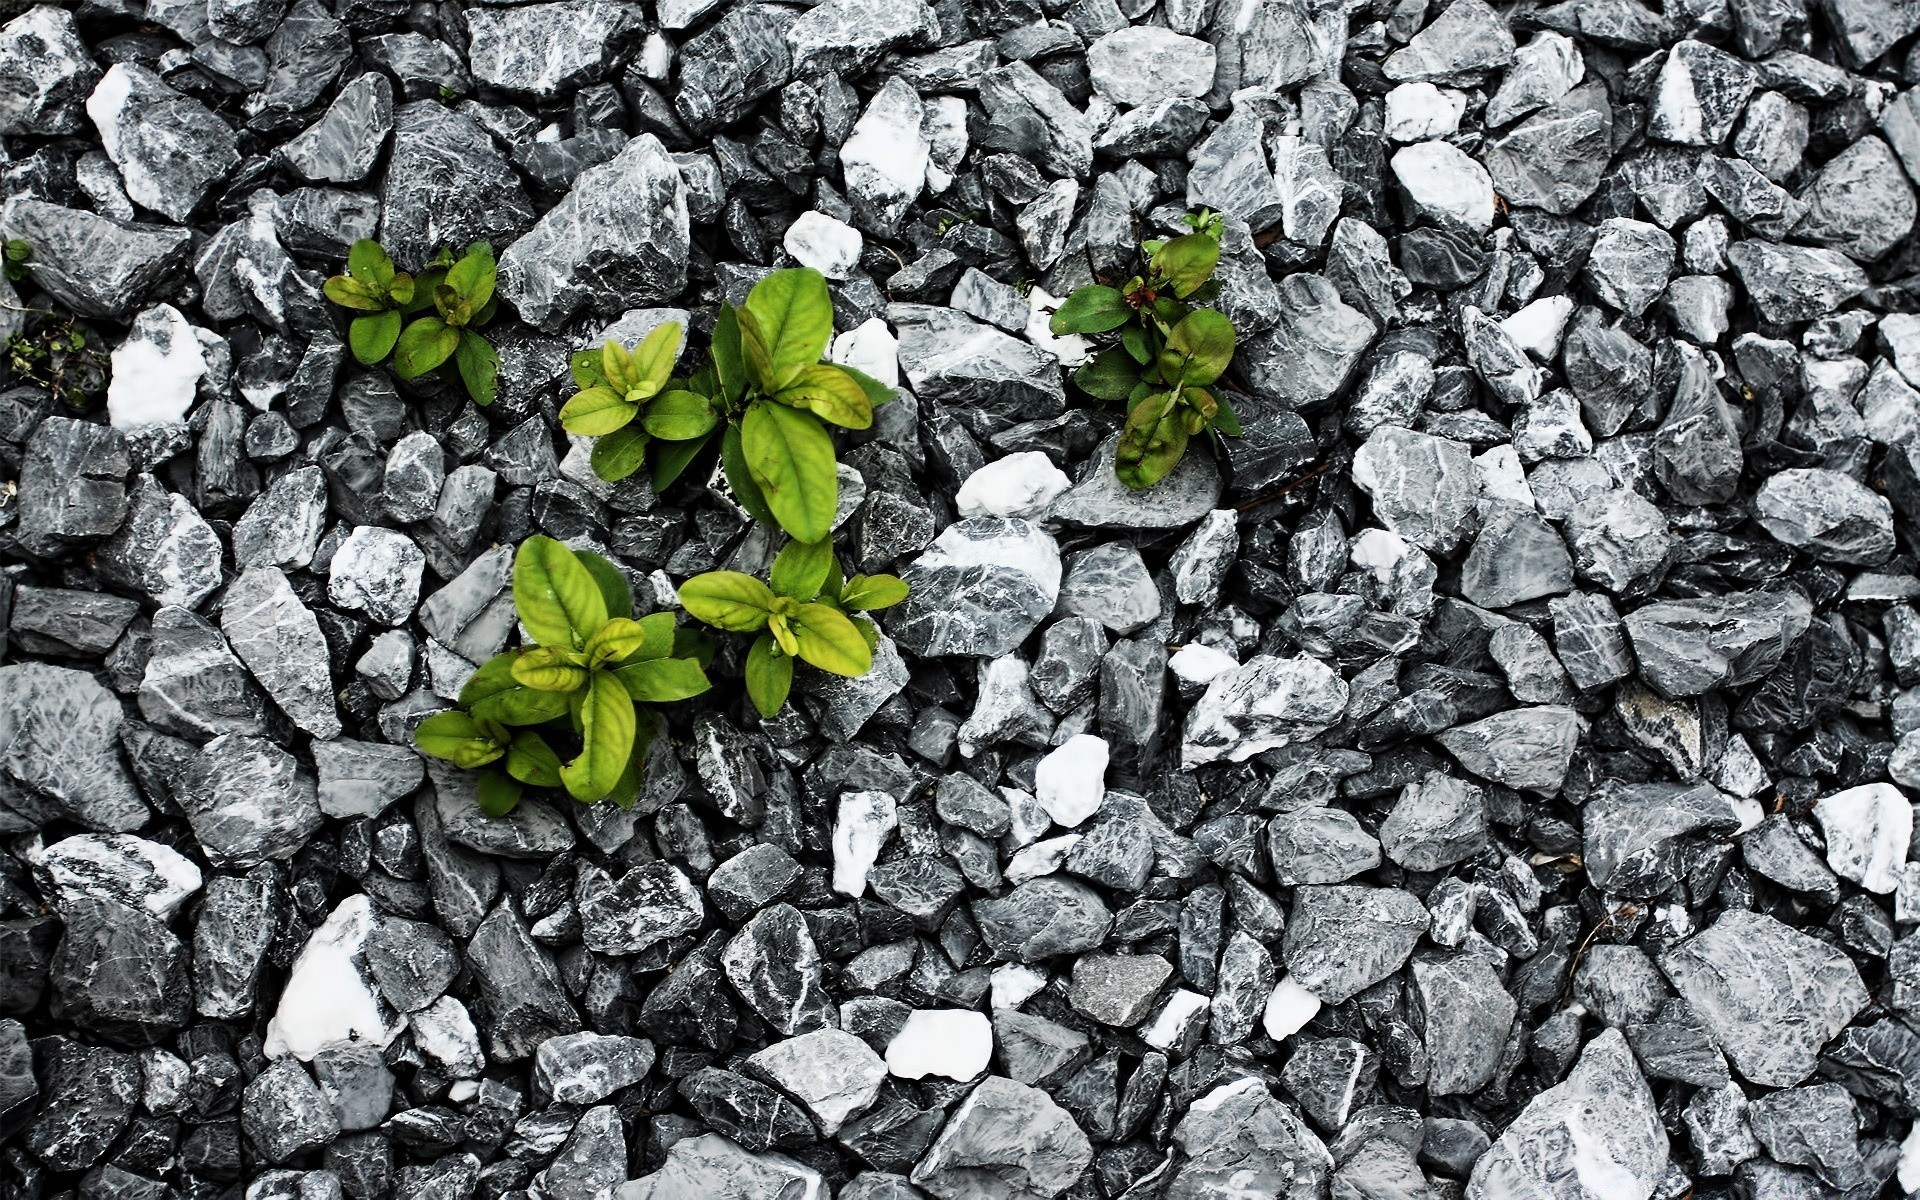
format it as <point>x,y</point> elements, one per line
<point>790,456</point>
<point>545,669</point>
<point>728,368</point>
<point>520,705</point>
<point>769,675</point>
<point>660,629</point>
<point>619,454</point>
<point>531,760</point>
<point>801,568</point>
<point>497,793</point>
<point>612,583</point>
<point>727,600</point>
<point>653,360</point>
<point>479,366</point>
<point>372,337</point>
<point>1198,348</point>
<point>458,738</point>
<point>831,394</point>
<point>606,739</point>
<point>494,676</point>
<point>555,595</point>
<point>795,316</point>
<point>369,263</point>
<point>680,416</point>
<point>864,593</point>
<point>1095,308</point>
<point>351,293</point>
<point>1151,442</point>
<point>423,346</point>
<point>597,412</point>
<point>828,640</point>
<point>615,640</point>
<point>663,680</point>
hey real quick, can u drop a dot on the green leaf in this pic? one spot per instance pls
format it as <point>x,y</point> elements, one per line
<point>497,793</point>
<point>671,459</point>
<point>733,461</point>
<point>611,582</point>
<point>458,738</point>
<point>653,360</point>
<point>1198,348</point>
<point>531,760</point>
<point>607,726</point>
<point>615,640</point>
<point>868,633</point>
<point>557,599</point>
<point>544,669</point>
<point>619,454</point>
<point>755,353</point>
<point>1226,421</point>
<point>728,366</point>
<point>1154,438</point>
<point>769,675</point>
<point>832,395</point>
<point>1133,340</point>
<point>1110,376</point>
<point>372,337</point>
<point>801,568</point>
<point>586,369</point>
<point>663,680</point>
<point>864,593</point>
<point>790,456</point>
<point>795,316</point>
<point>661,629</point>
<point>829,641</point>
<point>1095,308</point>
<point>597,412</point>
<point>423,346</point>
<point>479,366</point>
<point>472,277</point>
<point>679,416</point>
<point>424,285</point>
<point>1187,261</point>
<point>494,676</point>
<point>877,393</point>
<point>519,705</point>
<point>369,263</point>
<point>727,600</point>
<point>352,293</point>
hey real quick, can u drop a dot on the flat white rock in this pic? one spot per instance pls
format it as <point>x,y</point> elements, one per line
<point>870,347</point>
<point>1867,829</point>
<point>829,246</point>
<point>1200,664</point>
<point>155,370</point>
<point>832,1072</point>
<point>1071,780</point>
<point>1175,1017</point>
<point>1013,984</point>
<point>1289,1009</point>
<point>954,1043</point>
<point>445,1033</point>
<point>119,867</point>
<point>1444,183</point>
<point>330,998</point>
<point>1418,112</point>
<point>1019,485</point>
<point>861,828</point>
<point>1537,327</point>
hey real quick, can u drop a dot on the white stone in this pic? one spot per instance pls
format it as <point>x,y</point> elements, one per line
<point>444,1032</point>
<point>943,123</point>
<point>1867,829</point>
<point>1182,1009</point>
<point>1019,485</point>
<point>330,998</point>
<point>1544,70</point>
<point>832,1072</point>
<point>1072,350</point>
<point>377,571</point>
<point>155,371</point>
<point>829,246</point>
<point>1446,184</point>
<point>1200,664</point>
<point>1013,984</point>
<point>1071,781</point>
<point>864,821</point>
<point>1499,475</point>
<point>116,866</point>
<point>1289,1009</point>
<point>1910,1160</point>
<point>1041,858</point>
<point>1417,112</point>
<point>884,160</point>
<point>954,1043</point>
<point>870,347</point>
<point>1538,326</point>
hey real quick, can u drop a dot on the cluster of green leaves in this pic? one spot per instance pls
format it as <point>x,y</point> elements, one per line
<point>576,689</point>
<point>1161,352</point>
<point>765,394</point>
<point>424,321</point>
<point>15,254</point>
<point>806,610</point>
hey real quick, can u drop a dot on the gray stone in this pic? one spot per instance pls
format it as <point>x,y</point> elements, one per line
<point>1240,1137</point>
<point>980,590</point>
<point>248,801</point>
<point>1524,748</point>
<point>1465,1015</point>
<point>59,751</point>
<point>1005,1139</point>
<point>170,148</point>
<point>1341,940</point>
<point>1100,501</point>
<point>1596,1135</point>
<point>193,684</point>
<point>1687,647</point>
<point>446,185</point>
<point>1309,354</point>
<point>280,641</point>
<point>119,973</point>
<point>1265,703</point>
<point>46,74</point>
<point>1795,283</point>
<point>95,266</point>
<point>545,49</point>
<point>1831,516</point>
<point>991,380</point>
<point>1422,486</point>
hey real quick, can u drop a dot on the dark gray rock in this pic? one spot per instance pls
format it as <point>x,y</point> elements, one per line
<point>46,74</point>
<point>119,973</point>
<point>280,641</point>
<point>1005,1139</point>
<point>193,685</point>
<point>72,484</point>
<point>980,590</point>
<point>59,751</point>
<point>95,266</point>
<point>1341,940</point>
<point>774,964</point>
<point>1599,1130</point>
<point>1687,647</point>
<point>446,185</point>
<point>170,148</point>
<point>248,801</point>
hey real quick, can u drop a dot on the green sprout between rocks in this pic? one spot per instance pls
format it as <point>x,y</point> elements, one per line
<point>52,350</point>
<point>805,610</point>
<point>765,393</point>
<point>15,254</point>
<point>576,689</point>
<point>1163,354</point>
<point>447,302</point>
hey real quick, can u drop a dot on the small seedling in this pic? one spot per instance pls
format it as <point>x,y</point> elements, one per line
<point>16,254</point>
<point>1162,353</point>
<point>766,394</point>
<point>805,610</point>
<point>448,302</point>
<point>52,350</point>
<point>578,686</point>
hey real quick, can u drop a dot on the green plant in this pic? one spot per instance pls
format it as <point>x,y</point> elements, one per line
<point>804,610</point>
<point>765,392</point>
<point>1161,352</point>
<point>16,254</point>
<point>448,301</point>
<point>578,686</point>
